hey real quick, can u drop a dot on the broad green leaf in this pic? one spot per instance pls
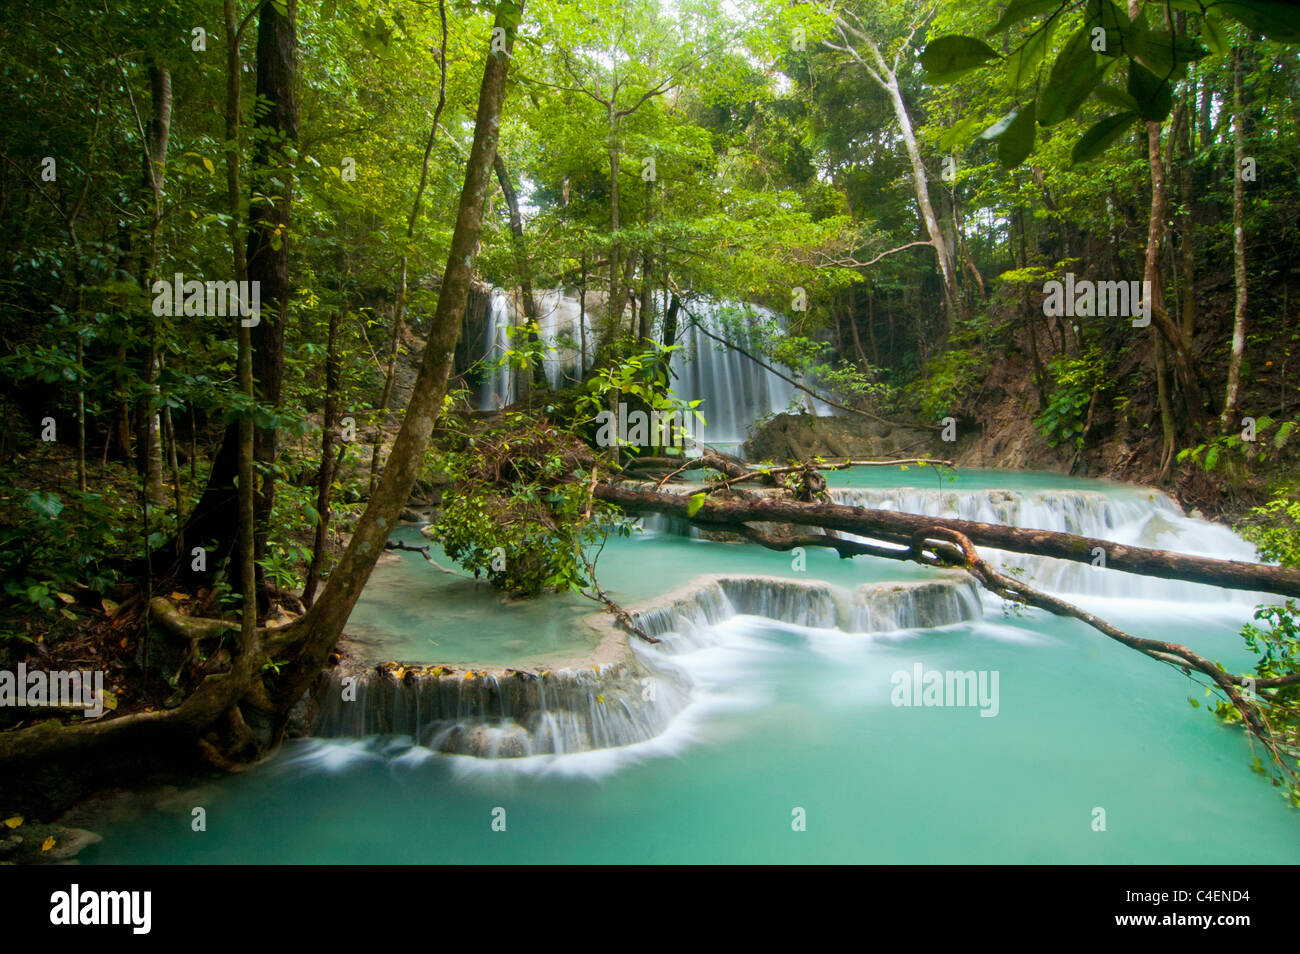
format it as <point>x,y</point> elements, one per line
<point>1117,98</point>
<point>1074,74</point>
<point>999,127</point>
<point>1152,94</point>
<point>1108,16</point>
<point>44,503</point>
<point>1100,135</point>
<point>1021,63</point>
<point>949,56</point>
<point>1019,10</point>
<point>1213,36</point>
<point>1276,19</point>
<point>1164,53</point>
<point>1015,145</point>
<point>697,501</point>
<point>959,132</point>
<point>1107,13</point>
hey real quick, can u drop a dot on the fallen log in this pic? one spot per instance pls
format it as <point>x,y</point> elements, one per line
<point>900,528</point>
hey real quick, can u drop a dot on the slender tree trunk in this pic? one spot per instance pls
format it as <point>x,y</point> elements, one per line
<point>582,319</point>
<point>886,78</point>
<point>525,271</point>
<point>261,254</point>
<point>670,321</point>
<point>1238,243</point>
<point>616,299</point>
<point>169,436</point>
<point>320,628</point>
<point>921,184</point>
<point>328,423</point>
<point>158,136</point>
<point>390,374</point>
<point>1187,221</point>
<point>269,228</point>
<point>81,405</point>
<point>853,325</point>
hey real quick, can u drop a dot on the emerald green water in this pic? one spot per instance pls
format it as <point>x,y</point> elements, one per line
<point>784,718</point>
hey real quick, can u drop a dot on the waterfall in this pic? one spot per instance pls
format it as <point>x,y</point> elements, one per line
<point>691,618</point>
<point>564,330</point>
<point>734,391</point>
<point>497,715</point>
<point>498,387</point>
<point>515,714</point>
<point>1144,520</point>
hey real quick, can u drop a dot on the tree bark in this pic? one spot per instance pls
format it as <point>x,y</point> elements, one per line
<point>329,421</point>
<point>264,258</point>
<point>316,633</point>
<point>902,528</point>
<point>1238,244</point>
<point>524,269</point>
<point>88,754</point>
<point>886,78</point>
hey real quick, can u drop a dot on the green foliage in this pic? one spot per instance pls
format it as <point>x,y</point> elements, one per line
<point>1274,528</point>
<point>1277,643</point>
<point>1235,452</point>
<point>1075,381</point>
<point>52,543</point>
<point>518,509</point>
<point>1102,40</point>
<point>953,377</point>
<point>641,378</point>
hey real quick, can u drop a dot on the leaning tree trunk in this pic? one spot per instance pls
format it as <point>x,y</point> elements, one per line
<point>48,758</point>
<point>903,528</point>
<point>314,636</point>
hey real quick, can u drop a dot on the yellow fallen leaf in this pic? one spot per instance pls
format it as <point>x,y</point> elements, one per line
<point>600,697</point>
<point>48,843</point>
<point>14,822</point>
<point>110,700</point>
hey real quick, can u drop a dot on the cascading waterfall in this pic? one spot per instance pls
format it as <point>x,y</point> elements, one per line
<point>498,387</point>
<point>1148,520</point>
<point>510,714</point>
<point>515,714</point>
<point>733,390</point>
<point>564,331</point>
<point>691,618</point>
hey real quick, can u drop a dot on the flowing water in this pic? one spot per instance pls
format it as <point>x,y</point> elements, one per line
<point>774,696</point>
<point>733,390</point>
